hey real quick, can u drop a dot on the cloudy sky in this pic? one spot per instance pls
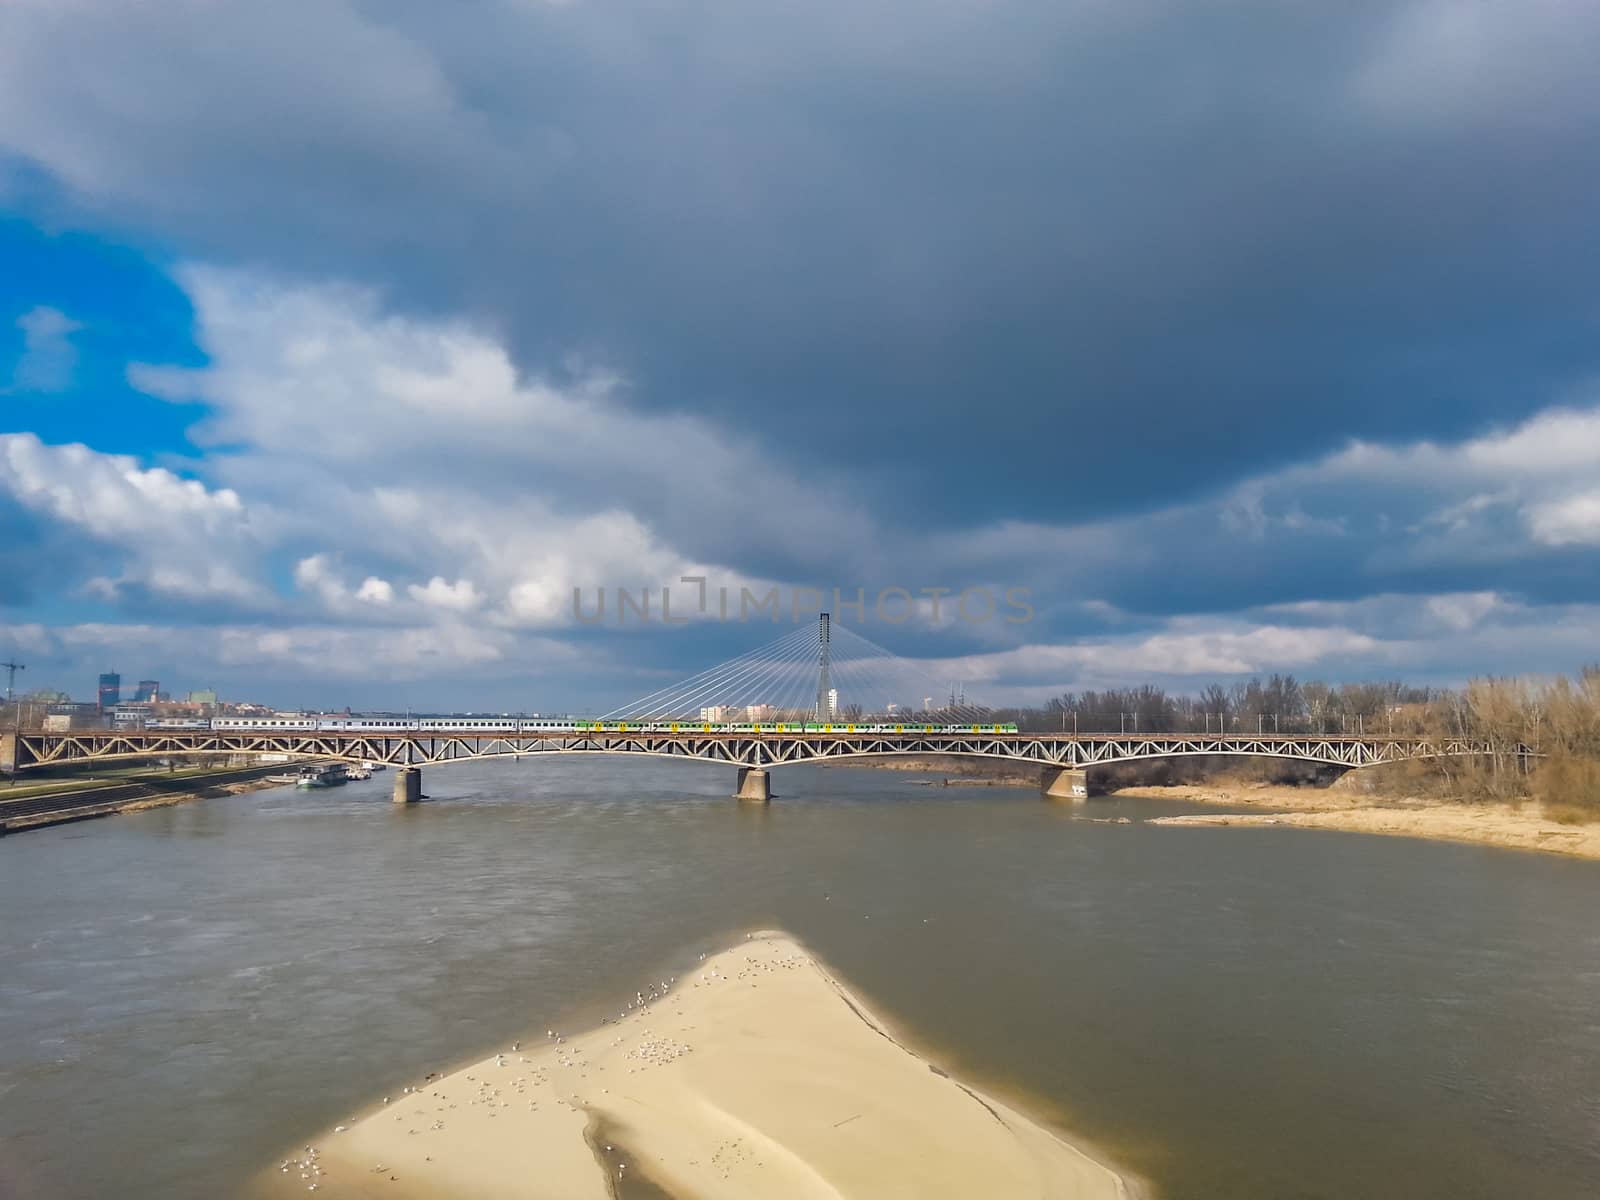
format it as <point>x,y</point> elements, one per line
<point>340,341</point>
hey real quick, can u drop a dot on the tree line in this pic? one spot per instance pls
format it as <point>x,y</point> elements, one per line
<point>1276,704</point>
<point>1542,737</point>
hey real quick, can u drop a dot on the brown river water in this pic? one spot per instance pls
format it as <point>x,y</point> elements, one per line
<point>1250,1014</point>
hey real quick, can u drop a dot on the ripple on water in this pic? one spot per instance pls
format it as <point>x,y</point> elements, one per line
<point>191,989</point>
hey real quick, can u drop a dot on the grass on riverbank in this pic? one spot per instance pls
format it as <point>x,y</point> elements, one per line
<point>26,786</point>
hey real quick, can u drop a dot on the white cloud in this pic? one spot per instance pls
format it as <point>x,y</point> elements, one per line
<point>1245,513</point>
<point>1501,497</point>
<point>459,596</point>
<point>1541,472</point>
<point>321,575</point>
<point>401,473</point>
<point>49,358</point>
<point>1461,612</point>
<point>442,461</point>
<point>409,479</point>
<point>314,651</point>
<point>316,574</point>
<point>1369,516</point>
<point>170,535</point>
<point>1390,616</point>
<point>1567,521</point>
<point>1187,648</point>
<point>111,496</point>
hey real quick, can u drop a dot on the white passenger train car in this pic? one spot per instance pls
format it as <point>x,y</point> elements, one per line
<point>308,723</point>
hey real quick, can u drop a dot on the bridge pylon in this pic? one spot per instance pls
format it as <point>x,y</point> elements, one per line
<point>753,786</point>
<point>1064,783</point>
<point>408,785</point>
<point>824,653</point>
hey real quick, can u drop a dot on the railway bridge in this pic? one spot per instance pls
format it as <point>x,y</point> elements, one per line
<point>1062,758</point>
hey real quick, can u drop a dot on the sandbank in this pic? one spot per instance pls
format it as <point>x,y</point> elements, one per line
<point>755,1075</point>
<point>1517,828</point>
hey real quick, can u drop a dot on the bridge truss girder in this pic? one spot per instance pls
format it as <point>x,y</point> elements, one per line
<point>741,749</point>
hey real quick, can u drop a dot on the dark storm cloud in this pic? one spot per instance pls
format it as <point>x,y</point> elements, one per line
<point>1021,259</point>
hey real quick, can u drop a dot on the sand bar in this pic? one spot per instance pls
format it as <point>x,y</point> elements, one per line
<point>757,1075</point>
<point>1514,827</point>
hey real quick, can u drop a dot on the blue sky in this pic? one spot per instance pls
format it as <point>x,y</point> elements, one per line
<point>339,343</point>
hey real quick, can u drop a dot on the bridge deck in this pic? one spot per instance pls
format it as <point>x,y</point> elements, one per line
<point>746,749</point>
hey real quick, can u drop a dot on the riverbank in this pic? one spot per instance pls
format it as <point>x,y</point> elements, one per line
<point>37,809</point>
<point>757,1075</point>
<point>1517,828</point>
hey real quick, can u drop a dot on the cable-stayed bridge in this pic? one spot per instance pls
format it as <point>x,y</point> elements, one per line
<point>819,694</point>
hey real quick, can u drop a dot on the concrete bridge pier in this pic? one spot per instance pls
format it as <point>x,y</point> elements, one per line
<point>1064,783</point>
<point>408,785</point>
<point>752,785</point>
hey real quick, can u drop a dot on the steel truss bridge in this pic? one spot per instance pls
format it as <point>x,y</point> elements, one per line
<point>758,750</point>
<point>791,670</point>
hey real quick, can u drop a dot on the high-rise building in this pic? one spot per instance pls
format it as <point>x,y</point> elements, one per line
<point>146,690</point>
<point>205,696</point>
<point>110,693</point>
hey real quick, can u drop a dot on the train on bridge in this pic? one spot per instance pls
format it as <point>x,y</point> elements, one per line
<point>526,726</point>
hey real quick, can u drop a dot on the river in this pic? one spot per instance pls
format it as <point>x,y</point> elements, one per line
<point>1239,1013</point>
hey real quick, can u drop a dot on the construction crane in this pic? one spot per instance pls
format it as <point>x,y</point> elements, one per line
<point>11,677</point>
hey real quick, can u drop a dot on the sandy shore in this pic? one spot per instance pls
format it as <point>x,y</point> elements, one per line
<point>1524,828</point>
<point>757,1076</point>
